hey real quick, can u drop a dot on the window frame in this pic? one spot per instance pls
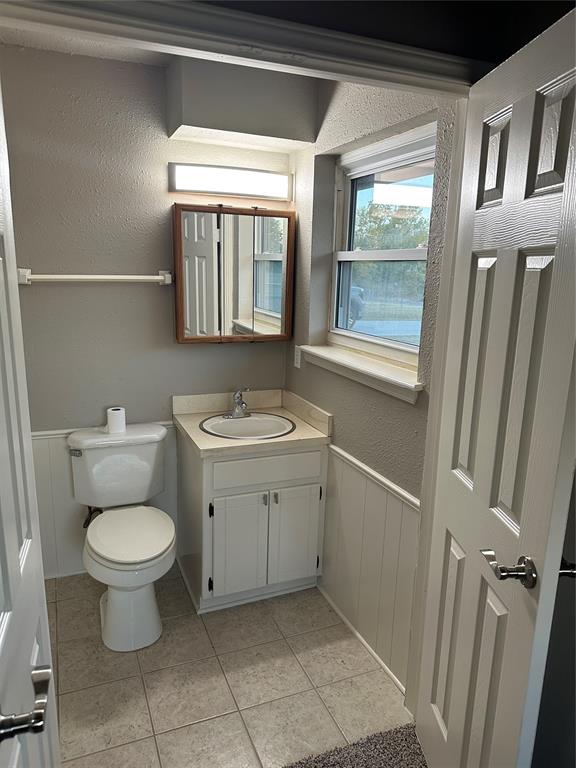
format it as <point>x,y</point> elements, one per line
<point>402,150</point>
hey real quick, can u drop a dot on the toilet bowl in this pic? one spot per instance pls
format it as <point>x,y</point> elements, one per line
<point>128,549</point>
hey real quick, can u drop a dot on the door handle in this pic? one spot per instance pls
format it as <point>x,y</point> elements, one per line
<point>567,569</point>
<point>12,725</point>
<point>524,570</point>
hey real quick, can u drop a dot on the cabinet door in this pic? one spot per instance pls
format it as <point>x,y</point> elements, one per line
<point>240,537</point>
<point>293,533</point>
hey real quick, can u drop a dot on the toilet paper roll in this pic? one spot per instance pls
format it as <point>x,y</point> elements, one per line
<point>116,420</point>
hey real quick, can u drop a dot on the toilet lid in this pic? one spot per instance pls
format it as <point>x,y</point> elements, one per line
<point>131,534</point>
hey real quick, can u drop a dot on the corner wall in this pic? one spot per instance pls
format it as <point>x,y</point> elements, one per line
<point>381,431</point>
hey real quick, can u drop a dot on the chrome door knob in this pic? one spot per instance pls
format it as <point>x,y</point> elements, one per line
<point>524,570</point>
<point>12,725</point>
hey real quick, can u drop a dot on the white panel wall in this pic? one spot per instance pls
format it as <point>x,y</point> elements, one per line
<point>61,518</point>
<point>370,551</point>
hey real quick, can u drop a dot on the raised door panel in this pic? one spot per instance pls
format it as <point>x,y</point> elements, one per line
<point>504,470</point>
<point>200,264</point>
<point>293,533</point>
<point>240,538</point>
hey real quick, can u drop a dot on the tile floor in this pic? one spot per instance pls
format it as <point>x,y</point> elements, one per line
<point>257,686</point>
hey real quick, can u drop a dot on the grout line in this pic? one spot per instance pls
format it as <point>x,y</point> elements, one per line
<point>239,711</point>
<point>102,751</point>
<point>177,664</point>
<point>337,623</point>
<point>250,738</point>
<point>149,710</point>
<point>250,647</point>
<point>133,676</point>
<point>315,689</point>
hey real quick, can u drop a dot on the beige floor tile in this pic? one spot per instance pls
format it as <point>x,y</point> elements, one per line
<point>219,743</point>
<point>81,585</point>
<point>366,704</point>
<point>77,619</point>
<point>332,654</point>
<point>88,662</point>
<point>302,612</point>
<point>235,628</point>
<point>187,693</point>
<point>263,673</point>
<point>50,589</point>
<point>52,611</point>
<point>287,730</point>
<point>183,638</point>
<point>139,754</point>
<point>102,717</point>
<point>173,598</point>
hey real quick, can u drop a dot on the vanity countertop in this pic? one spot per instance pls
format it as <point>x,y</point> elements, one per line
<point>210,445</point>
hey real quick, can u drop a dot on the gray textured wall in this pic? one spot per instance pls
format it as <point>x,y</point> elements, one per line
<point>384,432</point>
<point>88,154</point>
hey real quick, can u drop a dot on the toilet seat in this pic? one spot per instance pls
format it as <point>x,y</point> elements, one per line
<point>125,537</point>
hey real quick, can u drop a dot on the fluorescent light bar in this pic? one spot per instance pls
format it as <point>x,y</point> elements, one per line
<point>403,194</point>
<point>241,182</point>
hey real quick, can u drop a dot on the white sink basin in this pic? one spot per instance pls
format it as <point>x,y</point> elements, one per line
<point>257,426</point>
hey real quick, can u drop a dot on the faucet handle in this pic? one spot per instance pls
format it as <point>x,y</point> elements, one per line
<point>238,393</point>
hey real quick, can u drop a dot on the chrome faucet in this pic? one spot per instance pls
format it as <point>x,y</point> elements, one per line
<point>239,409</point>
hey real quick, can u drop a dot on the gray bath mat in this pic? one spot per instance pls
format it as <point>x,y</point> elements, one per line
<point>398,748</point>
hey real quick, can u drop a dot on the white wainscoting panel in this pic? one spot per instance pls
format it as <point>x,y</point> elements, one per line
<point>370,551</point>
<point>61,517</point>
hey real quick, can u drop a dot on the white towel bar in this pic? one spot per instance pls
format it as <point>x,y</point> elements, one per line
<point>26,277</point>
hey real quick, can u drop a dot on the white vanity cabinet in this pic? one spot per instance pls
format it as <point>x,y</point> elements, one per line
<point>250,522</point>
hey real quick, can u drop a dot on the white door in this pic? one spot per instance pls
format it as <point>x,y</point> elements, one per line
<point>293,533</point>
<point>24,639</point>
<point>506,450</point>
<point>240,543</point>
<point>200,237</point>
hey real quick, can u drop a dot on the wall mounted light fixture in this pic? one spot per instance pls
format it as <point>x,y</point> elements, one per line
<point>222,180</point>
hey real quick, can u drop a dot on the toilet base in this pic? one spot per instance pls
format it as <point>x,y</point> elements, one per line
<point>129,618</point>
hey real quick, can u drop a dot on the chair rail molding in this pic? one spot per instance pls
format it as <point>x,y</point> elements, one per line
<point>200,31</point>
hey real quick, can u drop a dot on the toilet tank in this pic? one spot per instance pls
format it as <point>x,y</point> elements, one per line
<point>112,470</point>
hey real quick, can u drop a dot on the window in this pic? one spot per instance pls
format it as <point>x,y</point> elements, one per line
<point>379,278</point>
<point>270,237</point>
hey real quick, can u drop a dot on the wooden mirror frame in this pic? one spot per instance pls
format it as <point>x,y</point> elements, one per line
<point>287,314</point>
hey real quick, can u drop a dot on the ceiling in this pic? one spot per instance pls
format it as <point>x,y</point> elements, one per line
<point>487,31</point>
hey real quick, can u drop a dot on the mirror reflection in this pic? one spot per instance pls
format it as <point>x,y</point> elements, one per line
<point>234,273</point>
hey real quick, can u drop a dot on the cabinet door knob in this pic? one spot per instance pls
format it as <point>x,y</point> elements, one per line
<point>276,497</point>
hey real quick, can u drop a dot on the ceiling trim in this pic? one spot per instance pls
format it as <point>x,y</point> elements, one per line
<point>200,31</point>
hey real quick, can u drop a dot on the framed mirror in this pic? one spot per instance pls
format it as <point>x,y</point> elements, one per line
<point>234,270</point>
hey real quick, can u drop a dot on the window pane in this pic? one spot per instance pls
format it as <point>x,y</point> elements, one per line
<point>382,299</point>
<point>271,235</point>
<point>269,286</point>
<point>391,209</point>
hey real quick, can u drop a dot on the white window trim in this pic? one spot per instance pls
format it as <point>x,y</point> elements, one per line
<point>383,364</point>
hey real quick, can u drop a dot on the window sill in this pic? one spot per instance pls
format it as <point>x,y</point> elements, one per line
<point>391,379</point>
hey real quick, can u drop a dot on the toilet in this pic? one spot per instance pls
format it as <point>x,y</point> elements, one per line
<point>130,544</point>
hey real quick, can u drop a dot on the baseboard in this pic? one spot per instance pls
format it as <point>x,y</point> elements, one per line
<point>366,645</point>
